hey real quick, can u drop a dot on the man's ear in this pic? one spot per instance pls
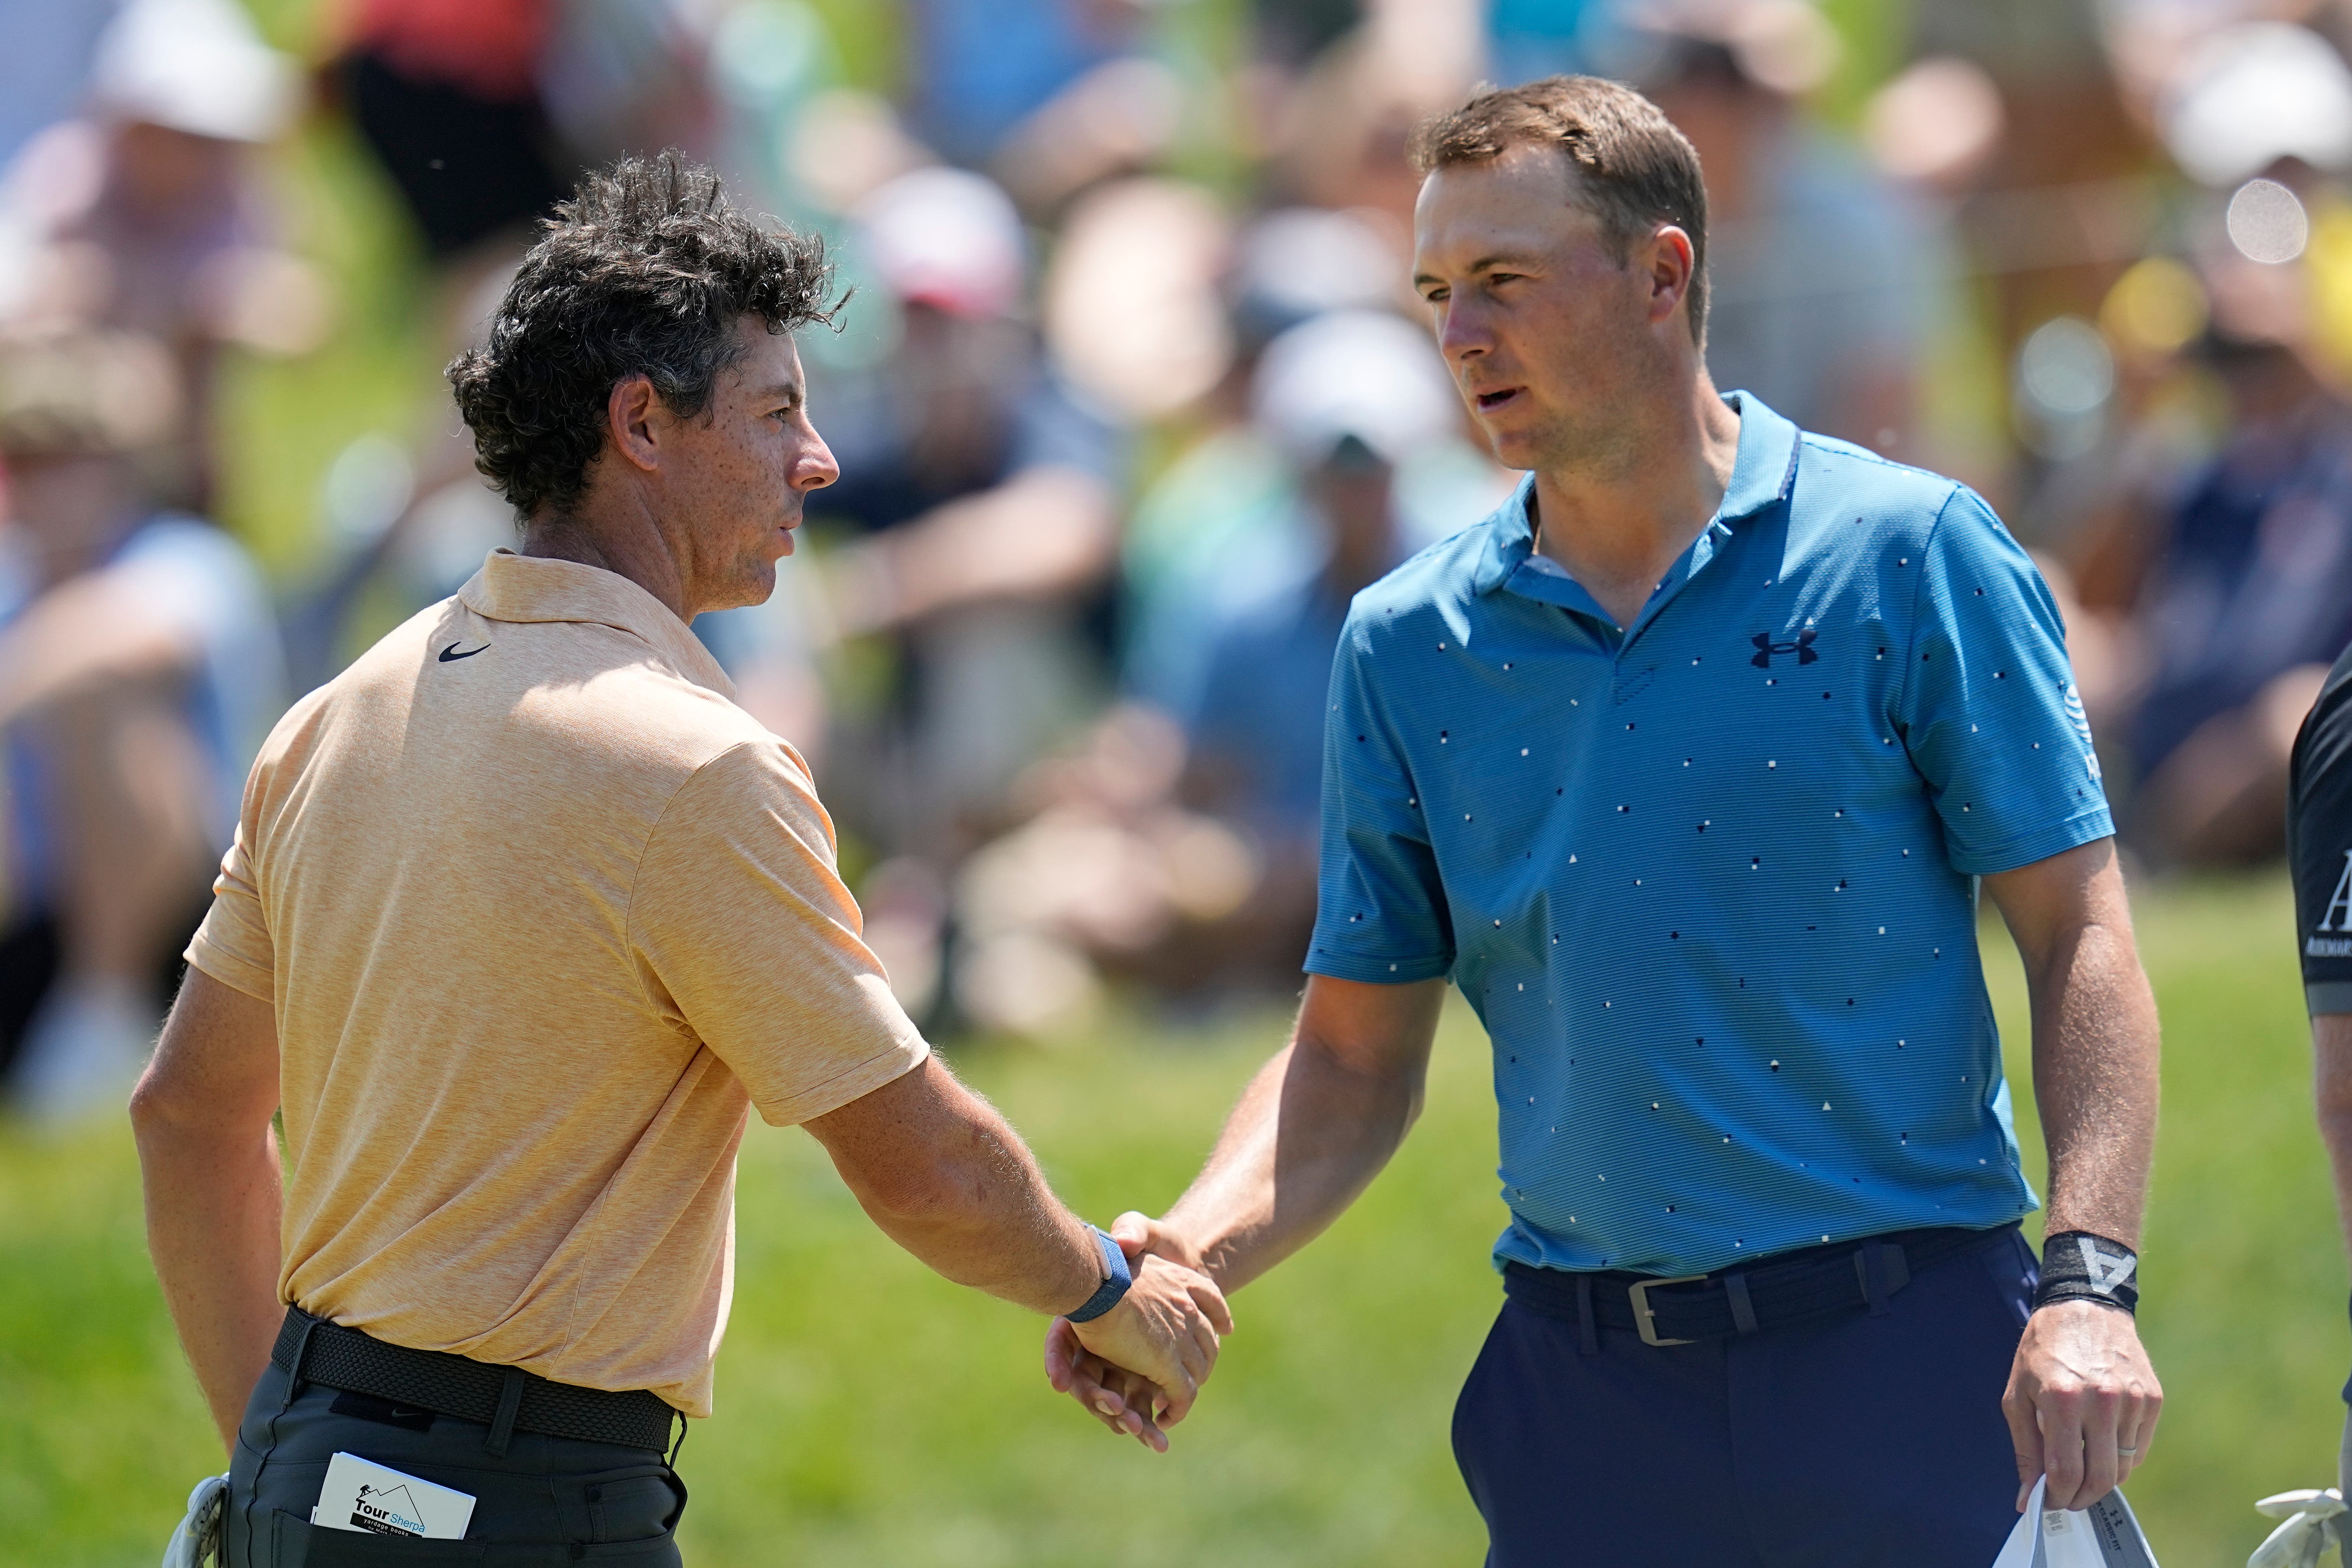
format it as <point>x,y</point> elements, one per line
<point>1673,258</point>
<point>633,417</point>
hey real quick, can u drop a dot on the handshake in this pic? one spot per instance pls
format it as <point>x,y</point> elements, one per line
<point>1140,1366</point>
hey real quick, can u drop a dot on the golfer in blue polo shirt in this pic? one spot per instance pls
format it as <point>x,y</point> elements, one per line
<point>1684,768</point>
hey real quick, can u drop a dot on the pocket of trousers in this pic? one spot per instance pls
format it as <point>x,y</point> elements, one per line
<point>642,1507</point>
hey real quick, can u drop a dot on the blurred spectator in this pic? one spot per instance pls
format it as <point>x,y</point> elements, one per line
<point>1348,398</point>
<point>146,212</point>
<point>1287,34</point>
<point>1047,95</point>
<point>2063,202</point>
<point>1180,854</point>
<point>986,494</point>
<point>138,672</point>
<point>1216,529</point>
<point>1338,137</point>
<point>1824,283</point>
<point>445,93</point>
<point>42,73</point>
<point>1531,38</point>
<point>2237,587</point>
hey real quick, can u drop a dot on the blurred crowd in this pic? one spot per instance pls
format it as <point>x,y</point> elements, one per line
<point>1131,397</point>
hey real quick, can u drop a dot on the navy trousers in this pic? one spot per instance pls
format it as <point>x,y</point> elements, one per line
<point>545,1502</point>
<point>1858,1442</point>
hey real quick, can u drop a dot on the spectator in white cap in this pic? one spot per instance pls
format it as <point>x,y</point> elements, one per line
<point>1348,397</point>
<point>987,496</point>
<point>145,214</point>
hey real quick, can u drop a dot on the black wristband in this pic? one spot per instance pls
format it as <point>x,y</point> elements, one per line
<point>2077,1266</point>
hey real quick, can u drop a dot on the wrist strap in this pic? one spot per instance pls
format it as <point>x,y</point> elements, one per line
<point>1115,1282</point>
<point>2078,1266</point>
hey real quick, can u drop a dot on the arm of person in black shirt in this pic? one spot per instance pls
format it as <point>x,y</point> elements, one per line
<point>2331,1075</point>
<point>946,1178</point>
<point>1312,1130</point>
<point>2083,1400</point>
<point>209,1159</point>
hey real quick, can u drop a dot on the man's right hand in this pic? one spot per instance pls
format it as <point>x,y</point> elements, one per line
<point>1150,1354</point>
<point>1123,1400</point>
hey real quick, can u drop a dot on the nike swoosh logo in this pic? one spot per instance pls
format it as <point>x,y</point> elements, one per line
<point>451,652</point>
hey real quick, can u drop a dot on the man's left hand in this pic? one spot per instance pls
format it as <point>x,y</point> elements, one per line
<point>2081,1402</point>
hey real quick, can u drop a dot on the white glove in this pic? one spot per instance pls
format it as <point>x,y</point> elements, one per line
<point>2314,1524</point>
<point>197,1540</point>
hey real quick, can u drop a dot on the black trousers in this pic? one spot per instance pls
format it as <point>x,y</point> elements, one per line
<point>547,1502</point>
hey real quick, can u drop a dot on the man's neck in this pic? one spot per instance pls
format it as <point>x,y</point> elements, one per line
<point>1617,528</point>
<point>617,534</point>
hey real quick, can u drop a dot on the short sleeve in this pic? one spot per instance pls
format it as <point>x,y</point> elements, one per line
<point>2319,844</point>
<point>233,945</point>
<point>740,923</point>
<point>1987,709</point>
<point>1381,914</point>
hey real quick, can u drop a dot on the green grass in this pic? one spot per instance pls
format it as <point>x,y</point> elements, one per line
<point>870,1414</point>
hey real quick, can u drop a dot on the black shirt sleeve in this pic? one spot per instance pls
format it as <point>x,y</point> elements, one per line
<point>2319,843</point>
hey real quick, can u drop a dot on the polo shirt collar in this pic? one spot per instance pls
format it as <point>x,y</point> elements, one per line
<point>512,588</point>
<point>1762,473</point>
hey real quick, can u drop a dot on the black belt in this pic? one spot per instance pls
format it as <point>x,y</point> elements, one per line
<point>503,1398</point>
<point>1787,1288</point>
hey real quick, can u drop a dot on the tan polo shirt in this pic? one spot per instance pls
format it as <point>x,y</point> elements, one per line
<point>542,913</point>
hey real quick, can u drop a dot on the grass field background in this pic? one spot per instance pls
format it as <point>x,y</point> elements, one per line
<point>871,1414</point>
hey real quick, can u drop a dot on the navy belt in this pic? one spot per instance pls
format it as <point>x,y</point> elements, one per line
<point>1806,1286</point>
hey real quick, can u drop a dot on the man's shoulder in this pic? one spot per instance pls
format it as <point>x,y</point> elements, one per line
<point>1857,497</point>
<point>1872,479</point>
<point>591,696</point>
<point>1440,579</point>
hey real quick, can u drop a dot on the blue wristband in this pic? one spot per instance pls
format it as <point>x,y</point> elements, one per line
<point>1112,1289</point>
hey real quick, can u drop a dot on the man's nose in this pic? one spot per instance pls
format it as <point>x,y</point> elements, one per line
<point>1461,331</point>
<point>817,468</point>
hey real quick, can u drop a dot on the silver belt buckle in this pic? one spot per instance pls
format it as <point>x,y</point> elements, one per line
<point>1644,1319</point>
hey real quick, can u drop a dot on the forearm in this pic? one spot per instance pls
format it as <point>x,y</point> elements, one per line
<point>1309,1135</point>
<point>2096,1048</point>
<point>214,1205</point>
<point>88,629</point>
<point>943,1175</point>
<point>1045,532</point>
<point>2331,1062</point>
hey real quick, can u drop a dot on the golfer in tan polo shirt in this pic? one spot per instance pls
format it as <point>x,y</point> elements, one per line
<point>523,917</point>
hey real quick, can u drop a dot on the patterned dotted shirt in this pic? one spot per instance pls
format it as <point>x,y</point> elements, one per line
<point>1708,878</point>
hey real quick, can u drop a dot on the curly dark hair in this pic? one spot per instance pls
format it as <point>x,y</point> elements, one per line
<point>646,270</point>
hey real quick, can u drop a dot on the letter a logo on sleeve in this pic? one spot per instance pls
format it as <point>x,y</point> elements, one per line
<point>2337,915</point>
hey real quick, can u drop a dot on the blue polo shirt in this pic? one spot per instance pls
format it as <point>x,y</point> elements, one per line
<point>1707,879</point>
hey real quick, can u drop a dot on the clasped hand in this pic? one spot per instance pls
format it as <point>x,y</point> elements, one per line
<point>1137,1368</point>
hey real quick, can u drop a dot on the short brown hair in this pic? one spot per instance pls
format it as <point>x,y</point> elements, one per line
<point>1635,170</point>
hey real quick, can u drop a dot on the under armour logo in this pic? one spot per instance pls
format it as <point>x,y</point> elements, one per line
<point>2105,1272</point>
<point>1766,648</point>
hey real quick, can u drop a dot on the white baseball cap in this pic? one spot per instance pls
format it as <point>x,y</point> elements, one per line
<point>2255,93</point>
<point>1365,374</point>
<point>946,237</point>
<point>194,66</point>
